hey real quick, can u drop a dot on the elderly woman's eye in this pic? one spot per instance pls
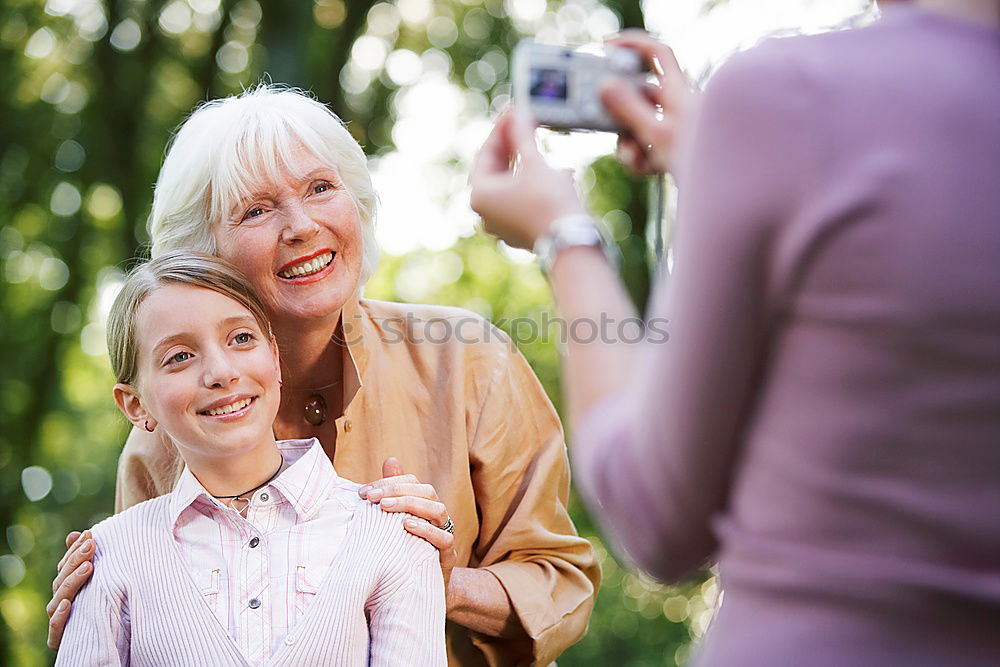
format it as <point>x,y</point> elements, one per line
<point>322,187</point>
<point>253,212</point>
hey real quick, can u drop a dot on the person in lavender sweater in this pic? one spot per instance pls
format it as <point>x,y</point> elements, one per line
<point>824,422</point>
<point>261,553</point>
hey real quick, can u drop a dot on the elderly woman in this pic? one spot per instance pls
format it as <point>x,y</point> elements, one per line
<point>272,181</point>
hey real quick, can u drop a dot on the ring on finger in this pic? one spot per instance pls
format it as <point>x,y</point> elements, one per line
<point>449,526</point>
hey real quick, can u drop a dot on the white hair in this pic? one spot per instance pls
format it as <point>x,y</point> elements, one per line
<point>229,146</point>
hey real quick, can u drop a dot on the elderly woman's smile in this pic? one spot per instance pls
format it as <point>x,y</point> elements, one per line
<point>308,266</point>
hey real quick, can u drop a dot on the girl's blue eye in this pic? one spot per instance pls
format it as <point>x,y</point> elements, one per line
<point>180,357</point>
<point>242,338</point>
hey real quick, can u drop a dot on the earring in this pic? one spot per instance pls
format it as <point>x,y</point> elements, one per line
<point>280,384</point>
<point>148,428</point>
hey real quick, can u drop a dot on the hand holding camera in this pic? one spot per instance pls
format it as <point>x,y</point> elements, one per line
<point>654,115</point>
<point>515,191</point>
<point>568,89</point>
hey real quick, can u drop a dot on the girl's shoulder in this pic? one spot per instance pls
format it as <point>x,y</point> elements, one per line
<point>139,523</point>
<point>384,532</point>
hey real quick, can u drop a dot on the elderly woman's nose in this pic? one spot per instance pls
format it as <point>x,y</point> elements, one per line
<point>299,225</point>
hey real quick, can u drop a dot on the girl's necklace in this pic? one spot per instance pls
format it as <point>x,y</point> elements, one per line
<point>249,491</point>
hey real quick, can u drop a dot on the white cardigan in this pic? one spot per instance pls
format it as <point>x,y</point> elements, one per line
<point>382,602</point>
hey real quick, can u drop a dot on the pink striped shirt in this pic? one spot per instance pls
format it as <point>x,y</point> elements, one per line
<point>277,555</point>
<point>313,575</point>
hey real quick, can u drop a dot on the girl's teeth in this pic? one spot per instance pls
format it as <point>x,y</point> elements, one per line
<point>232,407</point>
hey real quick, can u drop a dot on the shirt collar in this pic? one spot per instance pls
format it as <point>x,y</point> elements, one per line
<point>305,483</point>
<point>353,334</point>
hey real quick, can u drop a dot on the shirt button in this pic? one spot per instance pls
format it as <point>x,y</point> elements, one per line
<point>289,640</point>
<point>348,425</point>
<point>264,497</point>
<point>254,603</point>
<point>254,542</point>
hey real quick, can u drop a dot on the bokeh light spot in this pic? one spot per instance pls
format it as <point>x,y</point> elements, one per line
<point>416,12</point>
<point>104,202</point>
<point>36,482</point>
<point>442,32</point>
<point>329,14</point>
<point>21,539</point>
<point>126,36</point>
<point>52,274</point>
<point>66,317</point>
<point>232,57</point>
<point>65,199</point>
<point>70,156</point>
<point>40,44</point>
<point>403,67</point>
<point>175,18</point>
<point>11,570</point>
<point>383,19</point>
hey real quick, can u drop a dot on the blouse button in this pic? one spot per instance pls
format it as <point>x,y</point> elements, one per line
<point>348,425</point>
<point>254,542</point>
<point>254,603</point>
<point>289,640</point>
<point>264,497</point>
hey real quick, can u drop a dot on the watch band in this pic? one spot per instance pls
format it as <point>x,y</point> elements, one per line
<point>569,231</point>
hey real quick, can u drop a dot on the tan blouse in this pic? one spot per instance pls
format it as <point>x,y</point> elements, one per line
<point>450,396</point>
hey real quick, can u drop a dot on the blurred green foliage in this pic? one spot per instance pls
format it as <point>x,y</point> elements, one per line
<point>93,90</point>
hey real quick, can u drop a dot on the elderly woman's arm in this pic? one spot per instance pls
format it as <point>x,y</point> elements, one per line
<point>535,578</point>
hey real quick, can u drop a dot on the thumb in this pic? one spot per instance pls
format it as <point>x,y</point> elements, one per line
<point>392,467</point>
<point>72,537</point>
<point>521,129</point>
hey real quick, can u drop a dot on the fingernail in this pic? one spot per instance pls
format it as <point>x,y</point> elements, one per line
<point>63,606</point>
<point>374,495</point>
<point>363,491</point>
<point>389,502</point>
<point>411,523</point>
<point>87,546</point>
<point>85,567</point>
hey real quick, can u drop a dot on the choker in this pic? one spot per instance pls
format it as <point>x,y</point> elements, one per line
<point>249,491</point>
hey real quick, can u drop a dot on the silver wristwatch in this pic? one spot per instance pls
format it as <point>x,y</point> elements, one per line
<point>569,231</point>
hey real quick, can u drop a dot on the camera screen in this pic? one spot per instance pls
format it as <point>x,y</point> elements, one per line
<point>549,84</point>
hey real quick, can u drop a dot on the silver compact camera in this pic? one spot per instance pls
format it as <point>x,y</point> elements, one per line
<point>560,86</point>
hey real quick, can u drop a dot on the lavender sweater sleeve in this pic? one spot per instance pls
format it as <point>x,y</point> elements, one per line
<point>675,434</point>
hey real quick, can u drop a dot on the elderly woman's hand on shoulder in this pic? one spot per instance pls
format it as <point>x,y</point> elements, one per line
<point>401,492</point>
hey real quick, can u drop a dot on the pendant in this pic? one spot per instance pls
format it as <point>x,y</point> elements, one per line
<point>233,504</point>
<point>315,410</point>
